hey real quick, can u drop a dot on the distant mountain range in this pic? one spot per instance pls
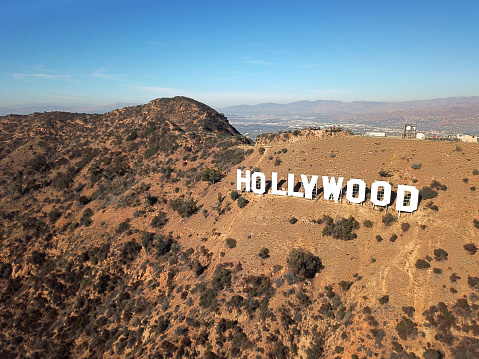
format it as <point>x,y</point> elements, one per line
<point>29,108</point>
<point>450,115</point>
<point>325,107</point>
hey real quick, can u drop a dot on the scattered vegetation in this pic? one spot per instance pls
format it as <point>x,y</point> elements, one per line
<point>159,220</point>
<point>230,242</point>
<point>406,328</point>
<point>470,248</point>
<point>385,174</point>
<point>439,186</point>
<point>264,253</point>
<point>440,254</point>
<point>293,220</point>
<point>211,175</point>
<point>234,195</point>
<point>388,219</point>
<point>422,264</point>
<point>427,193</point>
<point>242,202</point>
<point>185,208</point>
<point>341,229</point>
<point>432,206</point>
<point>303,263</point>
<point>368,224</point>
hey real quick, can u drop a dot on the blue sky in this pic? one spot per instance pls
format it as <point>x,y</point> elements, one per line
<point>236,52</point>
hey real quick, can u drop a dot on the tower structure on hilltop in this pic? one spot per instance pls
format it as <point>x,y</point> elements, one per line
<point>410,130</point>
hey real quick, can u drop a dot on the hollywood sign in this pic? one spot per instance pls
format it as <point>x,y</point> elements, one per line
<point>407,197</point>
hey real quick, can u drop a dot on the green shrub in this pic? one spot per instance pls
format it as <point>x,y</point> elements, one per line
<point>384,173</point>
<point>242,202</point>
<point>163,244</point>
<point>85,220</point>
<point>476,223</point>
<point>406,328</point>
<point>129,251</point>
<point>416,166</point>
<point>432,206</point>
<point>473,282</point>
<point>277,161</point>
<point>422,264</point>
<point>230,242</point>
<point>405,226</point>
<point>123,226</point>
<point>316,350</point>
<point>234,195</point>
<point>185,208</point>
<point>379,238</point>
<point>54,215</point>
<point>436,185</point>
<point>475,172</point>
<point>261,150</point>
<point>132,136</point>
<point>211,175</point>
<point>264,253</point>
<point>471,248</point>
<point>427,193</point>
<point>293,220</point>
<point>432,354</point>
<point>207,298</point>
<point>221,278</point>
<point>284,150</point>
<point>384,299</point>
<point>388,219</point>
<point>440,254</point>
<point>368,224</point>
<point>342,229</point>
<point>303,263</point>
<point>345,285</point>
<point>159,220</point>
<point>393,237</point>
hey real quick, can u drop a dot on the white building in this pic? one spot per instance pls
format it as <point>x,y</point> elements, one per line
<point>375,134</point>
<point>469,138</point>
<point>420,135</point>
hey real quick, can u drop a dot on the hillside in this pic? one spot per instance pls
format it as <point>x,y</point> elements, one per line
<point>122,235</point>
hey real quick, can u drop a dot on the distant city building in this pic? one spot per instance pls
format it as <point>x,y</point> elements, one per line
<point>420,135</point>
<point>469,138</point>
<point>375,134</point>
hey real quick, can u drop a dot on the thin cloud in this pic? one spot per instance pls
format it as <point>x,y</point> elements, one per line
<point>100,74</point>
<point>40,76</point>
<point>259,61</point>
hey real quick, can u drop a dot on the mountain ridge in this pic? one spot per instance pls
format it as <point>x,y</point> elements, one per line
<point>314,106</point>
